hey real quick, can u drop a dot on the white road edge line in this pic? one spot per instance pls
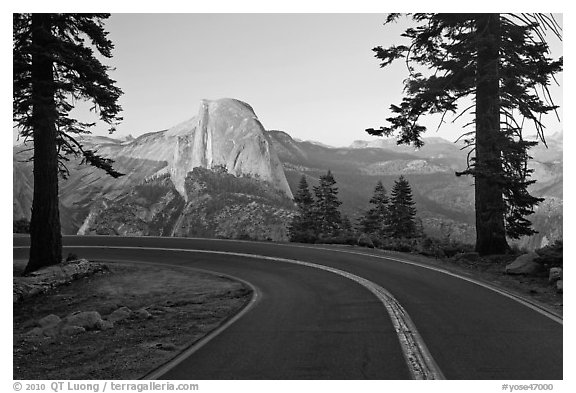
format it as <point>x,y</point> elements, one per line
<point>195,346</point>
<point>510,295</point>
<point>522,300</point>
<point>187,352</point>
<point>419,361</point>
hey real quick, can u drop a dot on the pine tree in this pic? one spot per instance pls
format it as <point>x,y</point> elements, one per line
<point>401,212</point>
<point>326,206</point>
<point>52,68</point>
<point>501,61</point>
<point>302,227</point>
<point>374,220</point>
<point>348,233</point>
<point>347,226</point>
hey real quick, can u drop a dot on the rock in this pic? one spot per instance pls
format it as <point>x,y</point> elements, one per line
<point>224,133</point>
<point>524,264</point>
<point>106,325</point>
<point>555,274</point>
<point>52,331</point>
<point>166,347</point>
<point>72,330</point>
<point>227,133</point>
<point>89,320</point>
<point>142,314</point>
<point>29,324</point>
<point>560,286</point>
<point>158,309</point>
<point>67,271</point>
<point>49,320</point>
<point>119,314</point>
<point>365,241</point>
<point>50,277</point>
<point>37,332</point>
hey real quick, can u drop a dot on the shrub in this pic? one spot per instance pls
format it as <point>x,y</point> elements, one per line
<point>551,255</point>
<point>515,249</point>
<point>339,239</point>
<point>308,236</point>
<point>72,257</point>
<point>432,248</point>
<point>151,192</point>
<point>365,241</point>
<point>243,235</point>
<point>438,248</point>
<point>21,225</point>
<point>397,244</point>
<point>218,181</point>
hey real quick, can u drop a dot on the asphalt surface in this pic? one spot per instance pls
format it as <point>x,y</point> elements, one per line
<point>312,324</point>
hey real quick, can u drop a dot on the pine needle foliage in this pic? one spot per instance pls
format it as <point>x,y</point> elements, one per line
<point>502,63</point>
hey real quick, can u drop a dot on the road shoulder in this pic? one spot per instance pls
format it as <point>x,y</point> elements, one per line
<point>181,306</point>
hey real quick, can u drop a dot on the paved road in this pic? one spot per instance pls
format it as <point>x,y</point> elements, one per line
<point>314,324</point>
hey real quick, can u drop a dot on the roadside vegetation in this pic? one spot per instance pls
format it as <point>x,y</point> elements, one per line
<point>21,225</point>
<point>390,224</point>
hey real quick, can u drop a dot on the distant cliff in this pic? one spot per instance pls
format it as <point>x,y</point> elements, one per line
<point>225,132</point>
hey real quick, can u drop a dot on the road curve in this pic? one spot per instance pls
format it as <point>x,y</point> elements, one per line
<point>338,330</point>
<point>307,324</point>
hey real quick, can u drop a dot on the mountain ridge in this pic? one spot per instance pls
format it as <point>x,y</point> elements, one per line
<point>445,202</point>
<point>225,132</point>
<point>226,139</point>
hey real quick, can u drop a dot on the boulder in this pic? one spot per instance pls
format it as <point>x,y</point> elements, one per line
<point>106,325</point>
<point>119,314</point>
<point>142,314</point>
<point>524,264</point>
<point>365,241</point>
<point>49,320</point>
<point>37,332</point>
<point>89,320</point>
<point>166,346</point>
<point>75,323</point>
<point>560,286</point>
<point>555,274</point>
<point>52,331</point>
<point>72,330</point>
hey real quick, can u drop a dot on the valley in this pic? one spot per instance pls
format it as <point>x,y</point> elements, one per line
<point>221,174</point>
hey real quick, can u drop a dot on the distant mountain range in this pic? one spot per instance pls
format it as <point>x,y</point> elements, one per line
<point>445,202</point>
<point>245,177</point>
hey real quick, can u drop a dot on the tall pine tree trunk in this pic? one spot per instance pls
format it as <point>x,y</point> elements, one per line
<point>490,207</point>
<point>45,235</point>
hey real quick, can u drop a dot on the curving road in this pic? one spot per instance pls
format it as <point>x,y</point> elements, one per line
<point>312,324</point>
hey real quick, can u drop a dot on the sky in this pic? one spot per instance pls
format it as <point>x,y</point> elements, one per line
<point>312,75</point>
